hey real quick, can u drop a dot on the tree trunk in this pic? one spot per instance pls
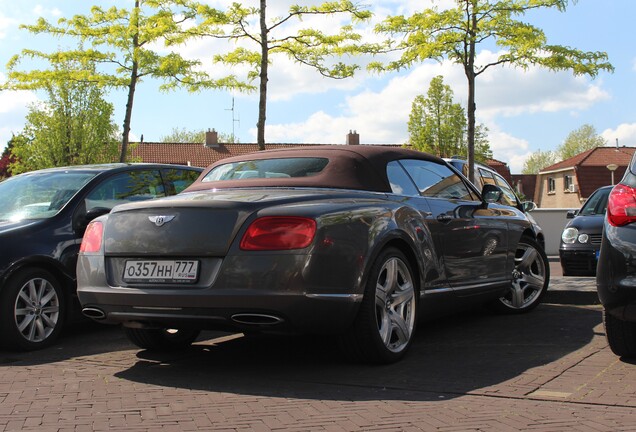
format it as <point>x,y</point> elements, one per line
<point>470,75</point>
<point>262,102</point>
<point>131,89</point>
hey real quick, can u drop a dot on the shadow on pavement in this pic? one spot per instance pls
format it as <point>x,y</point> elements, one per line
<point>449,358</point>
<point>77,340</point>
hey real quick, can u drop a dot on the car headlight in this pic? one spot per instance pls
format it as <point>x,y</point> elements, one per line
<point>583,238</point>
<point>569,235</point>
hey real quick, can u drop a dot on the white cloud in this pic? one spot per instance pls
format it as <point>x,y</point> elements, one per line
<point>13,108</point>
<point>624,133</point>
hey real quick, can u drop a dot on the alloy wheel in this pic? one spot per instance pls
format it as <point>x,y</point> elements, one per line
<point>37,310</point>
<point>395,304</point>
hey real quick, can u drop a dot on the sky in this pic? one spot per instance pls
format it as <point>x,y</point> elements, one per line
<point>524,110</point>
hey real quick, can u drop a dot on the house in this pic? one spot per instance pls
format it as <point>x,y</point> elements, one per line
<point>525,185</point>
<point>568,183</point>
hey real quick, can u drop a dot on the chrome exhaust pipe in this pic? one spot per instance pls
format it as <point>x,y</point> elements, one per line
<point>256,319</point>
<point>94,313</point>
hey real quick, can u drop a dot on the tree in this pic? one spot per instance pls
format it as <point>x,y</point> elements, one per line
<point>455,34</point>
<point>121,41</point>
<point>539,160</point>
<point>73,127</point>
<point>7,158</point>
<point>306,46</point>
<point>437,125</point>
<point>580,140</point>
<point>193,136</point>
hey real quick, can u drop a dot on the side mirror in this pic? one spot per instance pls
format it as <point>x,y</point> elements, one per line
<point>528,206</point>
<point>571,214</point>
<point>93,213</point>
<point>491,193</point>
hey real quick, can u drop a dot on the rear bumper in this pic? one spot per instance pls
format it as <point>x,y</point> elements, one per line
<point>616,272</point>
<point>279,294</point>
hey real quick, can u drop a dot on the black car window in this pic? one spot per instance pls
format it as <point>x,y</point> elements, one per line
<point>178,179</point>
<point>127,186</point>
<point>267,168</point>
<point>436,180</point>
<point>596,204</point>
<point>401,183</point>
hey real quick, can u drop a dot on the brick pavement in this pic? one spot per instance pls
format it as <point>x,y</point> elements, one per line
<point>550,370</point>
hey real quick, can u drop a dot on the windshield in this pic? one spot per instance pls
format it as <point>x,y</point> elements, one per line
<point>596,204</point>
<point>39,195</point>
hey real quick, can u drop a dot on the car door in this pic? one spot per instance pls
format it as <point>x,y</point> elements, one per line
<point>472,236</point>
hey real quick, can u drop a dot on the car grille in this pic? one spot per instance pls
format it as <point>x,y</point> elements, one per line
<point>596,238</point>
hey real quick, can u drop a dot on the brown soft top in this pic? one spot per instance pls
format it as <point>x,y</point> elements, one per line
<point>361,167</point>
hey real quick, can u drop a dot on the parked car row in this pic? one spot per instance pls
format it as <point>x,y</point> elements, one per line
<point>355,242</point>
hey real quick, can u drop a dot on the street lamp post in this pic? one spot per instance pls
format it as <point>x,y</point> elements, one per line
<point>612,168</point>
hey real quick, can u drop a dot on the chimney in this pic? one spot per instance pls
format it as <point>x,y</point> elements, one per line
<point>353,138</point>
<point>211,138</point>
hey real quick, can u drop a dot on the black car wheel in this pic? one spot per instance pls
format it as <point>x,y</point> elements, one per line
<point>621,335</point>
<point>530,278</point>
<point>384,327</point>
<point>161,339</point>
<point>33,310</point>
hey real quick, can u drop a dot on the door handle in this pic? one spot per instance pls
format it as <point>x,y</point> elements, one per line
<point>444,218</point>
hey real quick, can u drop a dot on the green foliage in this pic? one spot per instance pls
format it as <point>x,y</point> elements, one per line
<point>455,34</point>
<point>307,46</point>
<point>7,158</point>
<point>437,125</point>
<point>73,127</point>
<point>194,136</point>
<point>580,140</point>
<point>538,161</point>
<point>123,43</point>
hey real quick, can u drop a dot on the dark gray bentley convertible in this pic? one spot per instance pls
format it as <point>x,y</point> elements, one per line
<point>353,241</point>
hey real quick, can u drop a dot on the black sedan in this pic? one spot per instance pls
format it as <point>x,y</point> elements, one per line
<point>353,241</point>
<point>581,237</point>
<point>43,215</point>
<point>616,270</point>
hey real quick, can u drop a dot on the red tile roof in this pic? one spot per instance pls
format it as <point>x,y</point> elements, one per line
<point>598,156</point>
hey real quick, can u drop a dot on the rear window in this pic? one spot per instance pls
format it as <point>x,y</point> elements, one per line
<point>267,168</point>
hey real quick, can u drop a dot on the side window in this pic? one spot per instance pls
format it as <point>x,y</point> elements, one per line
<point>486,178</point>
<point>401,183</point>
<point>124,187</point>
<point>509,197</point>
<point>178,179</point>
<point>437,180</point>
<point>551,185</point>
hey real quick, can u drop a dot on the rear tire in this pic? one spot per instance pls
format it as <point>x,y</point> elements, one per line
<point>32,310</point>
<point>161,339</point>
<point>621,335</point>
<point>383,329</point>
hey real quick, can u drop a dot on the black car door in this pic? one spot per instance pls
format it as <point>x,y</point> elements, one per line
<point>472,236</point>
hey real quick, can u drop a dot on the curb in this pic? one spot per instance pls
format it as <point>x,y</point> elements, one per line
<point>572,290</point>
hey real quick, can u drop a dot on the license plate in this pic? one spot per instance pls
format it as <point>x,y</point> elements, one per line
<point>161,271</point>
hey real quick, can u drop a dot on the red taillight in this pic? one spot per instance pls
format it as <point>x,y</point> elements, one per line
<point>92,241</point>
<point>621,205</point>
<point>279,233</point>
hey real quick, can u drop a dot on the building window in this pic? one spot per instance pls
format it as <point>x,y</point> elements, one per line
<point>568,182</point>
<point>551,185</point>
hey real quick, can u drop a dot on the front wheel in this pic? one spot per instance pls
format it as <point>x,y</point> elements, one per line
<point>621,335</point>
<point>161,339</point>
<point>32,310</point>
<point>530,278</point>
<point>384,327</point>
